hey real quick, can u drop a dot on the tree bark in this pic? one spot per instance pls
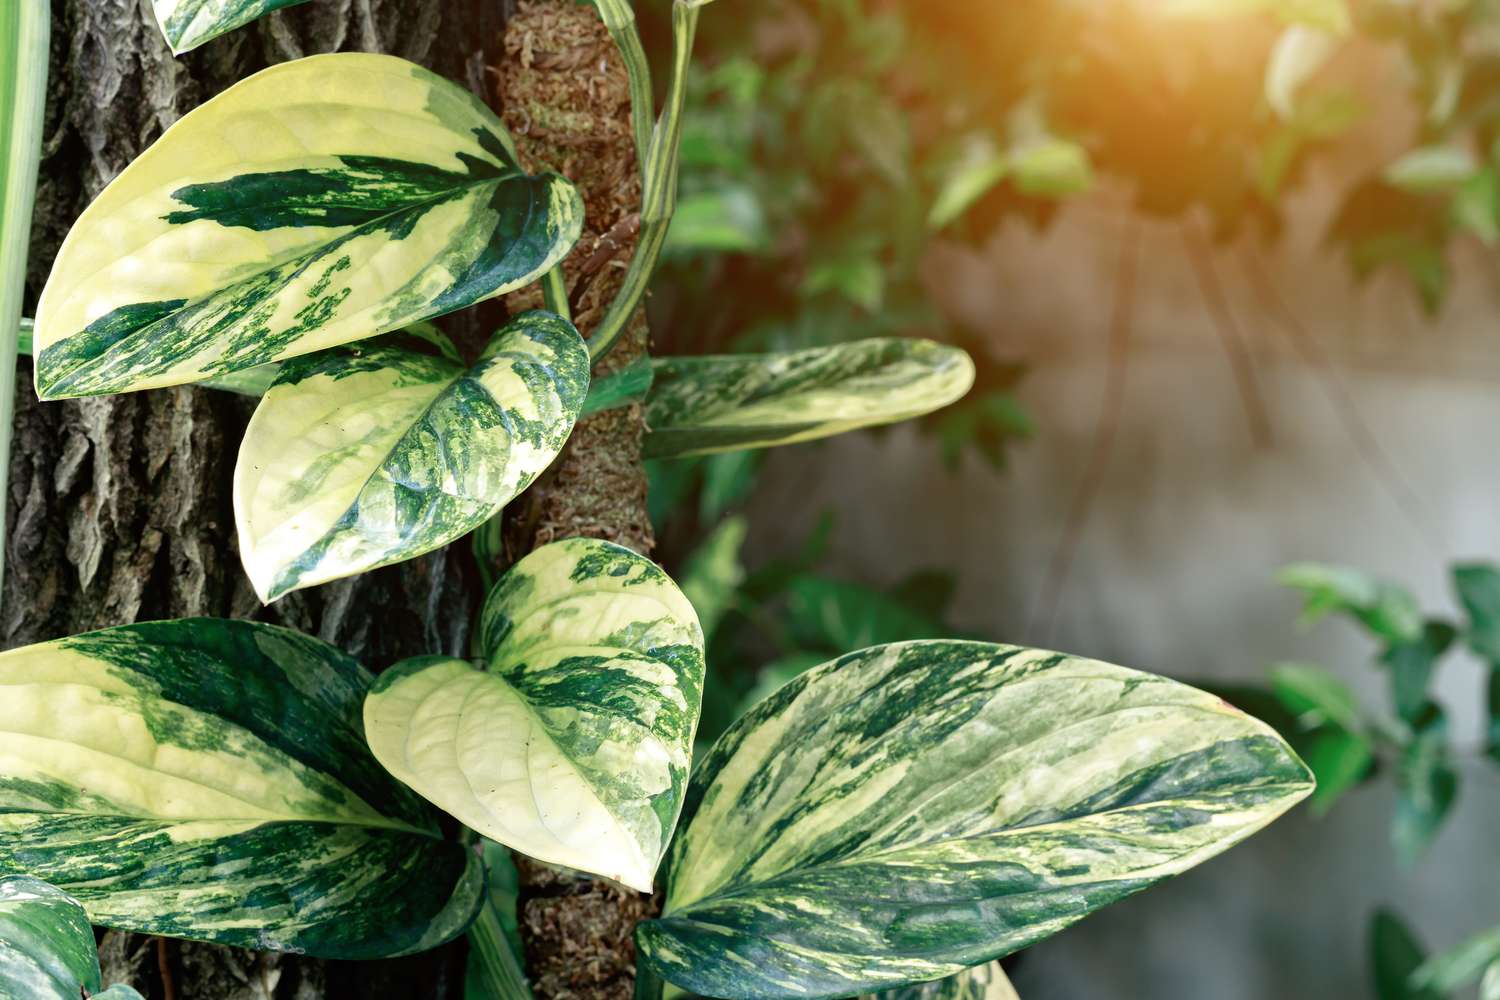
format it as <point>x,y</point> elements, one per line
<point>120,510</point>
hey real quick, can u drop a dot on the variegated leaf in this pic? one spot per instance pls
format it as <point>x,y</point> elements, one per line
<point>318,202</point>
<point>982,982</point>
<point>702,405</point>
<point>907,811</point>
<point>47,946</point>
<point>370,454</point>
<point>573,745</point>
<point>209,779</point>
<point>187,24</point>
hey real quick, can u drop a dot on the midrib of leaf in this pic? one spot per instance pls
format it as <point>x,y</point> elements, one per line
<point>759,887</point>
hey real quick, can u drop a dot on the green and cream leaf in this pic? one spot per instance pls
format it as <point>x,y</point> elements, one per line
<point>574,745</point>
<point>46,945</point>
<point>908,811</point>
<point>982,982</point>
<point>318,202</point>
<point>702,405</point>
<point>187,24</point>
<point>370,454</point>
<point>209,779</point>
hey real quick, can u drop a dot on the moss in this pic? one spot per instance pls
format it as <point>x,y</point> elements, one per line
<point>566,97</point>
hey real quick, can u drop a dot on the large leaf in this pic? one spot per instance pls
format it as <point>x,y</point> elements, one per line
<point>367,455</point>
<point>983,982</point>
<point>209,779</point>
<point>907,811</point>
<point>47,946</point>
<point>318,202</point>
<point>187,24</point>
<point>573,746</point>
<point>701,405</point>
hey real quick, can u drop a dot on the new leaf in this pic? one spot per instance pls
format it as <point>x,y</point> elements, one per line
<point>573,746</point>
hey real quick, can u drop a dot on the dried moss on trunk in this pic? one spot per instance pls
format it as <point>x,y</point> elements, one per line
<point>566,98</point>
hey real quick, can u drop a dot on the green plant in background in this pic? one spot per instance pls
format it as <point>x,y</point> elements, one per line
<point>245,784</point>
<point>1347,746</point>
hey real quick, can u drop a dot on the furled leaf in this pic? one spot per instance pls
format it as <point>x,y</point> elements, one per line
<point>25,47</point>
<point>1489,985</point>
<point>187,24</point>
<point>573,745</point>
<point>209,779</point>
<point>318,202</point>
<point>1395,954</point>
<point>904,812</point>
<point>701,405</point>
<point>983,982</point>
<point>46,945</point>
<point>371,454</point>
<point>1460,966</point>
<point>1385,609</point>
<point>495,969</point>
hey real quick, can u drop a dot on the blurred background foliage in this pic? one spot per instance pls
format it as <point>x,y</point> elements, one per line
<point>832,144</point>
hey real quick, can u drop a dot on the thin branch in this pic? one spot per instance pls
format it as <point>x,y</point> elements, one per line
<point>1200,252</point>
<point>1105,430</point>
<point>1366,443</point>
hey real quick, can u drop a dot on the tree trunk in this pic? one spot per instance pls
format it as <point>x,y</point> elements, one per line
<point>119,508</point>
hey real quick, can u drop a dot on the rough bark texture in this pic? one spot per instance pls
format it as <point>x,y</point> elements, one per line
<point>566,99</point>
<point>119,508</point>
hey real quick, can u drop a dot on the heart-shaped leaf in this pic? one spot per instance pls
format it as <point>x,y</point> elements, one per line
<point>982,982</point>
<point>702,405</point>
<point>47,946</point>
<point>371,454</point>
<point>209,779</point>
<point>320,201</point>
<point>573,746</point>
<point>907,811</point>
<point>187,24</point>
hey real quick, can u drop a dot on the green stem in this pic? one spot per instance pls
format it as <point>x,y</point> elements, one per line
<point>619,20</point>
<point>659,187</point>
<point>555,293</point>
<point>24,29</point>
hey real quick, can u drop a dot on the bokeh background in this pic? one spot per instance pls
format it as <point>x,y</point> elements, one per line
<point>1229,270</point>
